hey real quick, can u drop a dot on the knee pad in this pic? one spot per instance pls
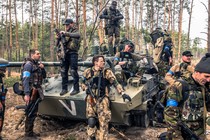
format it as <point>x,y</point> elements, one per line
<point>92,122</point>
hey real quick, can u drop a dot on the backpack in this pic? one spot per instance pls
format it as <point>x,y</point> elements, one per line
<point>155,35</point>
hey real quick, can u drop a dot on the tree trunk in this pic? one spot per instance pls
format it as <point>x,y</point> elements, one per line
<point>84,23</point>
<point>36,24</point>
<point>7,30</point>
<point>77,12</point>
<point>173,31</point>
<point>52,34</point>
<point>66,8</point>
<point>100,29</point>
<point>56,14</point>
<point>30,25</point>
<point>16,34</point>
<point>141,24</point>
<point>42,32</point>
<point>180,28</point>
<point>133,21</point>
<point>127,3</point>
<point>208,43</point>
<point>3,35</point>
<point>10,35</point>
<point>24,48</point>
<point>169,15</point>
<point>189,25</point>
<point>165,11</point>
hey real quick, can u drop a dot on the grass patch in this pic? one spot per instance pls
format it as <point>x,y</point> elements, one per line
<point>70,137</point>
<point>9,81</point>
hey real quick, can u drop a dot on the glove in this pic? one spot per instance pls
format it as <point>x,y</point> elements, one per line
<point>125,96</point>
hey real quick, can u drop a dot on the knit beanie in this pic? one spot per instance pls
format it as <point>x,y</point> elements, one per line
<point>204,64</point>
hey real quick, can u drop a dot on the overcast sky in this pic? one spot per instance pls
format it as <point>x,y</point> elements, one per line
<point>199,21</point>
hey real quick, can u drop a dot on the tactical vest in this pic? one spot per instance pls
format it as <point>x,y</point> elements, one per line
<point>95,83</point>
<point>36,77</point>
<point>125,55</point>
<point>73,44</point>
<point>109,22</point>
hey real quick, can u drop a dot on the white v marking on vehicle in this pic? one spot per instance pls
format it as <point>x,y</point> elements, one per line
<point>72,106</point>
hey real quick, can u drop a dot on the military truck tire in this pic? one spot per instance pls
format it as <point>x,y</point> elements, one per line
<point>145,120</point>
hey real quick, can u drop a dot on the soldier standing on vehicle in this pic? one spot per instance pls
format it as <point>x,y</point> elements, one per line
<point>97,81</point>
<point>33,73</point>
<point>70,60</point>
<point>186,104</point>
<point>183,70</point>
<point>112,18</point>
<point>3,92</point>
<point>162,53</point>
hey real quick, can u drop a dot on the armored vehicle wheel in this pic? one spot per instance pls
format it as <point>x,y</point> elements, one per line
<point>145,120</point>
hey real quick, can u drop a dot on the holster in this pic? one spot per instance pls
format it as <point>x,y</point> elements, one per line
<point>34,94</point>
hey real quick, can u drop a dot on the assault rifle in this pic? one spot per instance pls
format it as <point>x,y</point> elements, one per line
<point>89,91</point>
<point>30,108</point>
<point>61,45</point>
<point>187,132</point>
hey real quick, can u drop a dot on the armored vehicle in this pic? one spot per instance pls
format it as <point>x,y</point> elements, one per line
<point>138,112</point>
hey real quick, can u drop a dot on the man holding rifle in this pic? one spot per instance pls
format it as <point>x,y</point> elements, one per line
<point>185,110</point>
<point>32,76</point>
<point>97,81</point>
<point>70,59</point>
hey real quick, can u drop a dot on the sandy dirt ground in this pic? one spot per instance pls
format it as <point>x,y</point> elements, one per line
<point>54,129</point>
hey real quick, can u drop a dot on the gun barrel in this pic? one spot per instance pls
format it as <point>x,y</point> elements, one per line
<point>46,64</point>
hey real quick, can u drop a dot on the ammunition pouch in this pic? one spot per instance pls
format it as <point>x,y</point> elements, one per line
<point>18,89</point>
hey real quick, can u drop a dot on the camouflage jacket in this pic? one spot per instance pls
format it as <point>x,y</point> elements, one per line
<point>73,39</point>
<point>108,78</point>
<point>185,102</point>
<point>183,70</point>
<point>125,56</point>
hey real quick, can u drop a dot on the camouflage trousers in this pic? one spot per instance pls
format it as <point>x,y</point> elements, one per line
<point>101,111</point>
<point>163,68</point>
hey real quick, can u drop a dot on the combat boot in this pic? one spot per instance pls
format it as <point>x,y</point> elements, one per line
<point>64,91</point>
<point>76,89</point>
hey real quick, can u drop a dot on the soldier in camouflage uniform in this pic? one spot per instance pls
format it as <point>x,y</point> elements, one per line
<point>97,102</point>
<point>183,70</point>
<point>187,102</point>
<point>162,54</point>
<point>72,36</point>
<point>3,92</point>
<point>126,60</point>
<point>112,18</point>
<point>122,44</point>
